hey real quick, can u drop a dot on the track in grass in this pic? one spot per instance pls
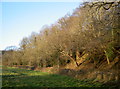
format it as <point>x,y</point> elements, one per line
<point>14,77</point>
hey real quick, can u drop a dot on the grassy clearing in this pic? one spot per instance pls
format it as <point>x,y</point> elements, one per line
<point>14,77</point>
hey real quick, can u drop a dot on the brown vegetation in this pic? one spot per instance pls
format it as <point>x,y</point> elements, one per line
<point>85,44</point>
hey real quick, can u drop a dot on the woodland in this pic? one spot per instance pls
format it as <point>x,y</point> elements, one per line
<point>89,37</point>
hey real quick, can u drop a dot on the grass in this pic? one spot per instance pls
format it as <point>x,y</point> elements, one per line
<point>14,77</point>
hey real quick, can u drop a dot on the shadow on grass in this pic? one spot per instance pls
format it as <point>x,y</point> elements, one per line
<point>24,80</point>
<point>51,81</point>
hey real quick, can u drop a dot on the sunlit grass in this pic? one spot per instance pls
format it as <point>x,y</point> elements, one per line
<point>14,77</point>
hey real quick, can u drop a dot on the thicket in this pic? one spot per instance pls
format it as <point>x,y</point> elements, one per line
<point>92,31</point>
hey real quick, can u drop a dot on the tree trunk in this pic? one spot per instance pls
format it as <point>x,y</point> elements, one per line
<point>107,57</point>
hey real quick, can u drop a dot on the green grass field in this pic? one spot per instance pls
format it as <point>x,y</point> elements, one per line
<point>14,77</point>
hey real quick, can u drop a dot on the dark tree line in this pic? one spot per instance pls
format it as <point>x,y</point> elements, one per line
<point>92,33</point>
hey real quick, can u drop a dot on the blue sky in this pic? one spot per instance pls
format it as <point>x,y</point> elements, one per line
<point>20,19</point>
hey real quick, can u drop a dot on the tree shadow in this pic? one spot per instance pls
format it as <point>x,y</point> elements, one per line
<point>46,81</point>
<point>50,80</point>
